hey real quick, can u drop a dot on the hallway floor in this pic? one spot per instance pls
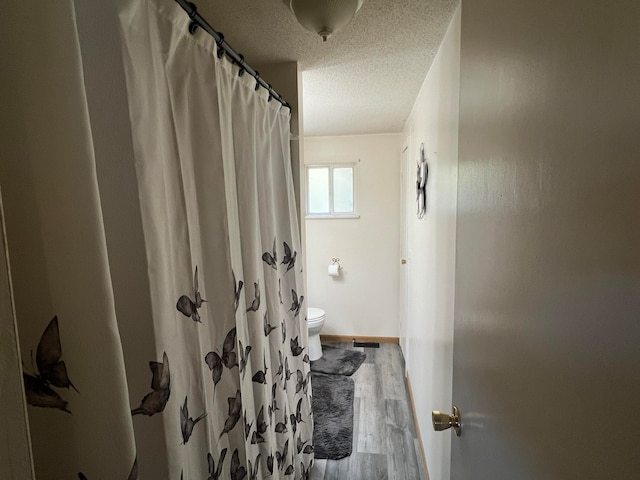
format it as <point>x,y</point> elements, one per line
<point>384,434</point>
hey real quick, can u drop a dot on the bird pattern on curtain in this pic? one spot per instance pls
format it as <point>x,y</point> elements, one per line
<point>225,392</point>
<point>277,421</point>
<point>232,358</point>
<point>52,372</point>
<point>213,162</point>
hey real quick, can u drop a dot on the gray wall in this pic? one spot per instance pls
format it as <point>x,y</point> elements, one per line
<point>547,312</point>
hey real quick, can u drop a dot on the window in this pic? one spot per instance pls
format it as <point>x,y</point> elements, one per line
<point>330,191</point>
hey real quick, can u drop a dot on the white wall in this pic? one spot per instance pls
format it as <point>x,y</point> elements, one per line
<point>363,300</point>
<point>431,247</point>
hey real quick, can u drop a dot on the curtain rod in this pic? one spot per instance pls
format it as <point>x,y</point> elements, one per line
<point>225,48</point>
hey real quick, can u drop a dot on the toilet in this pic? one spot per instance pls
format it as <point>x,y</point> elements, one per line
<point>315,322</point>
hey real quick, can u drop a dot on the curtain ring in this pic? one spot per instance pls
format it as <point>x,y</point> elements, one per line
<point>194,10</point>
<point>193,26</point>
<point>257,81</point>
<point>241,65</point>
<point>220,52</point>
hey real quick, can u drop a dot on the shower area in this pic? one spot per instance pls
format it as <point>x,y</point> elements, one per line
<point>151,270</point>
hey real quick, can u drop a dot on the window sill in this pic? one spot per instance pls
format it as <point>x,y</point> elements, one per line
<point>337,216</point>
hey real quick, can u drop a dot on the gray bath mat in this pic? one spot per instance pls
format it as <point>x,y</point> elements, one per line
<point>338,361</point>
<point>332,404</point>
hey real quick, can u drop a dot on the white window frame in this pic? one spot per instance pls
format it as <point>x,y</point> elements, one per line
<point>331,214</point>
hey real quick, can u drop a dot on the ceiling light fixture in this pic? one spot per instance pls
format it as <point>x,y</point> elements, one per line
<point>324,17</point>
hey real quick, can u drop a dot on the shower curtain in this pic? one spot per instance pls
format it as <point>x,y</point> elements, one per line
<point>167,339</point>
<point>15,459</point>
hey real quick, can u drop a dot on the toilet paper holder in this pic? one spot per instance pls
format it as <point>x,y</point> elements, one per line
<point>336,261</point>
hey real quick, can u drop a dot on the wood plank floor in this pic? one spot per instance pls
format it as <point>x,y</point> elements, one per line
<point>384,434</point>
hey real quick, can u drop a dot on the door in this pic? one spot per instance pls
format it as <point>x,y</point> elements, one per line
<point>547,310</point>
<point>404,262</point>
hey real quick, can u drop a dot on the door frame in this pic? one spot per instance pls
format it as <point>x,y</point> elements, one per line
<point>405,264</point>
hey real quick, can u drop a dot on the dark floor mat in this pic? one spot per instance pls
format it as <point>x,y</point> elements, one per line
<point>332,404</point>
<point>338,361</point>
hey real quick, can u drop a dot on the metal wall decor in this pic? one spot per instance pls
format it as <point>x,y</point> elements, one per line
<point>421,183</point>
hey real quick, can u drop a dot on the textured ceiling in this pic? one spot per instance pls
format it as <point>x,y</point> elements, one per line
<point>364,79</point>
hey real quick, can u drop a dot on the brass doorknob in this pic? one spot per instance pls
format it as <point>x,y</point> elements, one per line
<point>442,421</point>
<point>403,261</point>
